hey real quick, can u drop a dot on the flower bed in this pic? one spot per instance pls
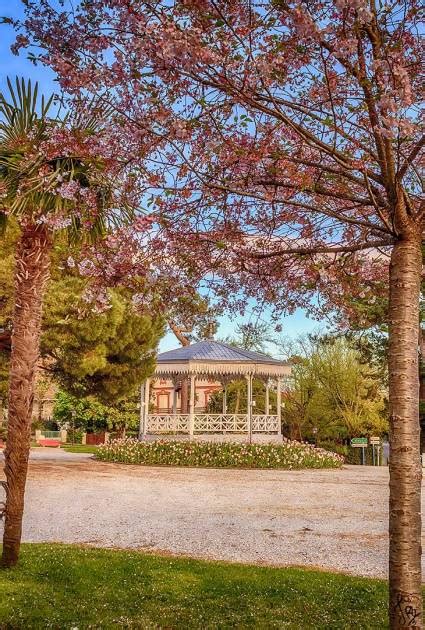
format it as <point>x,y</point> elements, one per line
<point>289,455</point>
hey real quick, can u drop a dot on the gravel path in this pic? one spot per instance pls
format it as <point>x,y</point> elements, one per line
<point>57,455</point>
<point>330,519</point>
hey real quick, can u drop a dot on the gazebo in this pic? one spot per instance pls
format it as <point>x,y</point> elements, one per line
<point>224,363</point>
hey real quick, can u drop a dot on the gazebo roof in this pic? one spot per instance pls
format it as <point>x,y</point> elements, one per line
<point>213,357</point>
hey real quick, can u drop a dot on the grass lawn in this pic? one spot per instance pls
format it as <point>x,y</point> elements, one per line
<point>79,448</point>
<point>63,586</point>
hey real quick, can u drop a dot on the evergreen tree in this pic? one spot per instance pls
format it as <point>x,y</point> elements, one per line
<point>103,354</point>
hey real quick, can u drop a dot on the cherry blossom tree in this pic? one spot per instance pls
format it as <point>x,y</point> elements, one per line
<point>290,167</point>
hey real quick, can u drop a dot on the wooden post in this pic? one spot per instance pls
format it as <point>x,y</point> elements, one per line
<point>249,405</point>
<point>144,407</point>
<point>267,405</point>
<point>184,395</point>
<point>142,410</point>
<point>279,406</point>
<point>224,400</point>
<point>175,400</point>
<point>192,405</point>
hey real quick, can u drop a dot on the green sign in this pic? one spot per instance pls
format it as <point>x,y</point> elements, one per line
<point>359,442</point>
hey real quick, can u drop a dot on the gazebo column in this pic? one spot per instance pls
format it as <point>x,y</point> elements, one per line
<point>142,411</point>
<point>279,406</point>
<point>249,405</point>
<point>144,407</point>
<point>267,405</point>
<point>224,400</point>
<point>192,405</point>
<point>174,397</point>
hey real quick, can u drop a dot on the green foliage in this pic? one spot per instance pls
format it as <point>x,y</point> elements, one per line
<point>335,392</point>
<point>251,336</point>
<point>289,455</point>
<point>104,354</point>
<point>371,344</point>
<point>90,415</point>
<point>64,586</point>
<point>236,398</point>
<point>85,414</point>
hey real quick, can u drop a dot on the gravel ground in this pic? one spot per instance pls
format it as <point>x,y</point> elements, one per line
<point>334,519</point>
<point>54,455</point>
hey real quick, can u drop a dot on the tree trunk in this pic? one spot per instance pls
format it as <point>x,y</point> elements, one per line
<point>422,387</point>
<point>31,275</point>
<point>405,604</point>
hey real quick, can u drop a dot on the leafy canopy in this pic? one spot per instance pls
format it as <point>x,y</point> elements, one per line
<point>336,392</point>
<point>104,353</point>
<point>289,133</point>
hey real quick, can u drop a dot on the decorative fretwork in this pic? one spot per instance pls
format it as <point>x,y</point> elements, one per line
<point>168,423</point>
<point>211,423</point>
<point>265,424</point>
<point>221,423</point>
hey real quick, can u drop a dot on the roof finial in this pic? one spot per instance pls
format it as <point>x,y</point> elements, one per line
<point>210,330</point>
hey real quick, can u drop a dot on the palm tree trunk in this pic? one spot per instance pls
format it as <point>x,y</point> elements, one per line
<point>31,275</point>
<point>405,604</point>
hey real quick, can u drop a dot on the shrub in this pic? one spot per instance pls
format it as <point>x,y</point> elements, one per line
<point>74,436</point>
<point>288,455</point>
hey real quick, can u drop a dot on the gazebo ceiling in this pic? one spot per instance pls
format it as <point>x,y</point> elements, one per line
<point>215,358</point>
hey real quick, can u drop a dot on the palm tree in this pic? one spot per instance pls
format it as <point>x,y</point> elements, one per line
<point>44,191</point>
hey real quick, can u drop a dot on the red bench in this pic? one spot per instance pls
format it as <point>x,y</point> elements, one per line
<point>48,442</point>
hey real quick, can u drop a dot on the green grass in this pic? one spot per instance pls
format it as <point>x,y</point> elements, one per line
<point>79,448</point>
<point>64,586</point>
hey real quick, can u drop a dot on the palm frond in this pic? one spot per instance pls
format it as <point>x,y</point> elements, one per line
<point>32,181</point>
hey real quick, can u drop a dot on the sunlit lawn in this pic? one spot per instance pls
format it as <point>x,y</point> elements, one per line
<point>79,448</point>
<point>60,586</point>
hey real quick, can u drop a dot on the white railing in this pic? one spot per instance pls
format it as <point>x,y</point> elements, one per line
<point>221,423</point>
<point>265,424</point>
<point>211,423</point>
<point>178,423</point>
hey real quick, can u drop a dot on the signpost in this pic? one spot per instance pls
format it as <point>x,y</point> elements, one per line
<point>375,442</point>
<point>360,443</point>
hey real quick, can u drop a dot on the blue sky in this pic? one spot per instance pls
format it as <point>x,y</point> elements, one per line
<point>10,65</point>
